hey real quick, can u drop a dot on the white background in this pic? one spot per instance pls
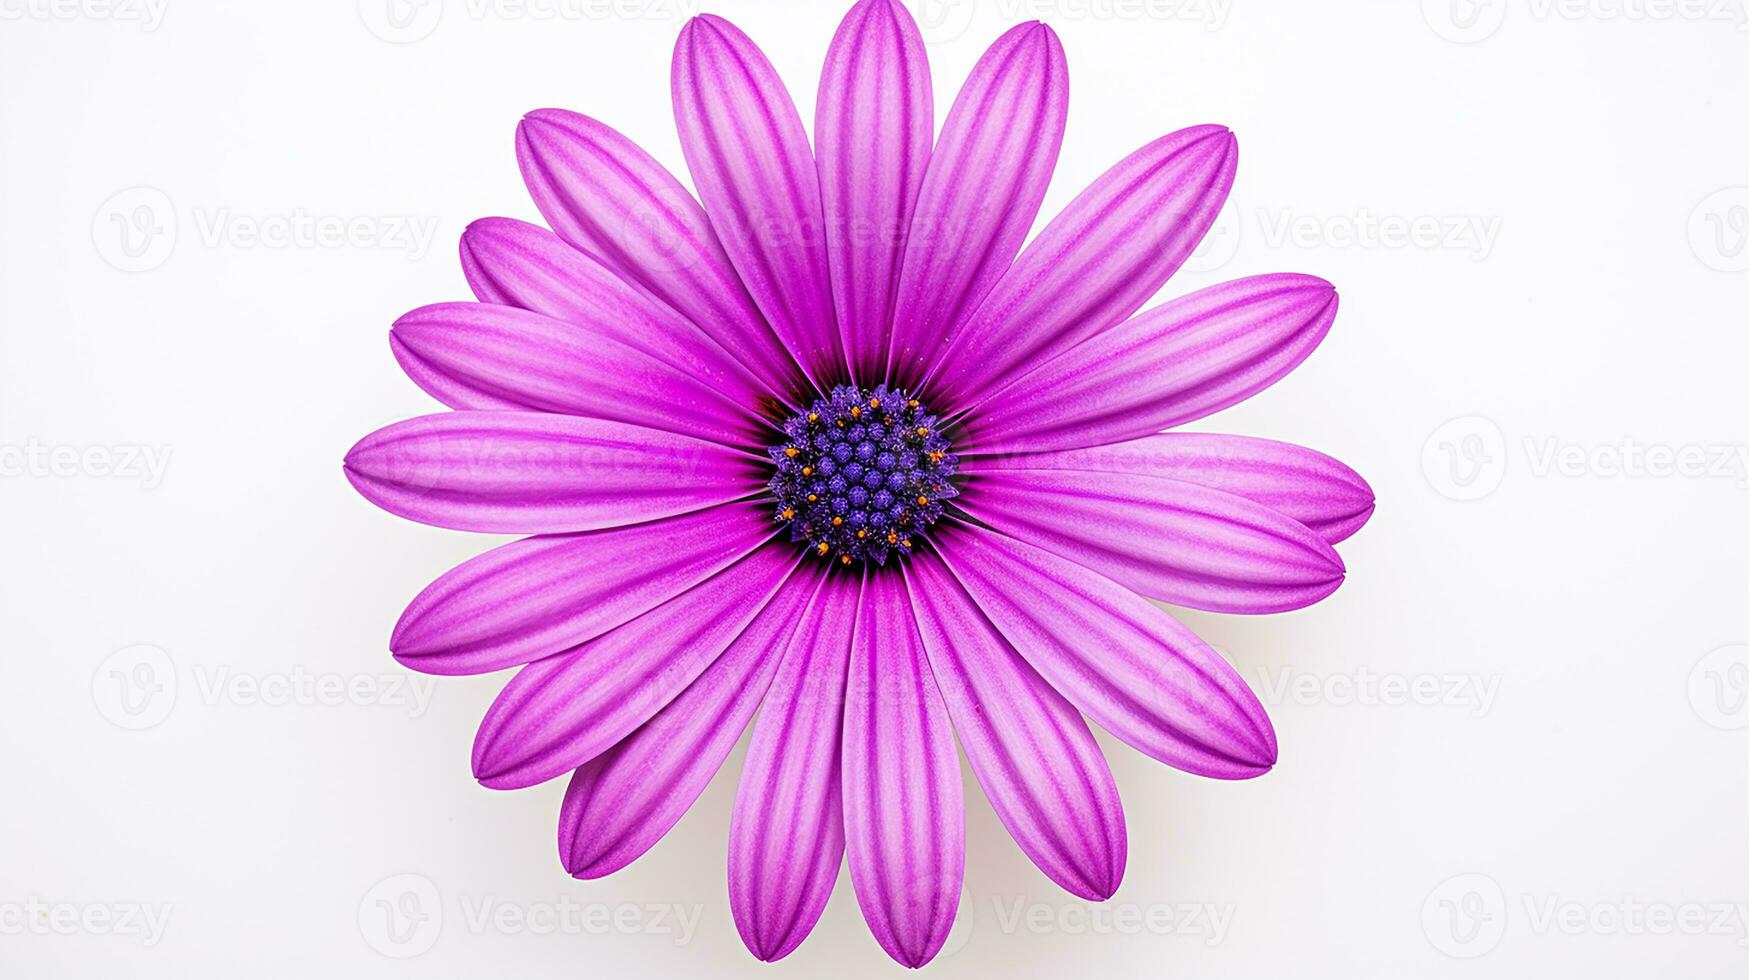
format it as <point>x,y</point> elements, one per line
<point>1571,750</point>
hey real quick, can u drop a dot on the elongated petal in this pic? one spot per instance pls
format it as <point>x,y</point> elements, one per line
<point>1167,539</point>
<point>486,356</point>
<point>559,713</point>
<point>1034,756</point>
<point>603,194</point>
<point>872,129</point>
<point>1308,486</point>
<point>1173,364</point>
<point>514,263</point>
<point>535,597</point>
<point>749,158</point>
<point>619,804</point>
<point>535,473</point>
<point>982,190</point>
<point>1097,262</point>
<point>904,817</point>
<point>786,838</point>
<point>1119,658</point>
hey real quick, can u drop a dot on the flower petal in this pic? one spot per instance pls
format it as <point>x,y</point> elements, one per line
<point>1320,492</point>
<point>1174,541</point>
<point>514,263</point>
<point>749,158</point>
<point>559,713</point>
<point>1127,665</point>
<point>904,817</point>
<point>535,473</point>
<point>985,182</point>
<point>872,129</point>
<point>619,804</point>
<point>486,356</point>
<point>786,838</point>
<point>603,194</point>
<point>1096,263</point>
<point>1173,364</point>
<point>535,597</point>
<point>1043,773</point>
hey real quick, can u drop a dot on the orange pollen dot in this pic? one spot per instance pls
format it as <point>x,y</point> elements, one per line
<point>788,513</point>
<point>837,522</point>
<point>922,501</point>
<point>915,403</point>
<point>844,558</point>
<point>792,452</point>
<point>874,403</point>
<point>862,534</point>
<point>825,548</point>
<point>935,457</point>
<point>856,411</point>
<point>813,497</point>
<point>813,416</point>
<point>807,471</point>
<point>905,543</point>
<point>923,430</point>
<point>892,538</point>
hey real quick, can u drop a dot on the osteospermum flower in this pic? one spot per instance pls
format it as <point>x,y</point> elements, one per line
<point>825,450</point>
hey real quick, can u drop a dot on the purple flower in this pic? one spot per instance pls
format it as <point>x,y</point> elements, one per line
<point>833,446</point>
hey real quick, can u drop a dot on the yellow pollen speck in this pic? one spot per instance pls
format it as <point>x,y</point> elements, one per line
<point>905,543</point>
<point>874,403</point>
<point>789,512</point>
<point>862,534</point>
<point>807,471</point>
<point>837,522</point>
<point>935,457</point>
<point>892,538</point>
<point>813,416</point>
<point>792,452</point>
<point>825,548</point>
<point>812,498</point>
<point>923,430</point>
<point>844,558</point>
<point>922,501</point>
<point>856,411</point>
<point>914,403</point>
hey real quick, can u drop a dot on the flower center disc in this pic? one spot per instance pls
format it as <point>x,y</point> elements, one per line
<point>863,474</point>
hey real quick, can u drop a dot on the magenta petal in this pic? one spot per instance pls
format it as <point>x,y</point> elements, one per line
<point>1173,364</point>
<point>514,263</point>
<point>1097,262</point>
<point>786,838</point>
<point>485,356</point>
<point>1137,672</point>
<point>535,473</point>
<point>872,130</point>
<point>1175,541</point>
<point>1038,763</point>
<point>559,713</point>
<point>619,804</point>
<point>749,158</point>
<point>538,596</point>
<point>603,194</point>
<point>985,182</point>
<point>1308,486</point>
<point>904,817</point>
